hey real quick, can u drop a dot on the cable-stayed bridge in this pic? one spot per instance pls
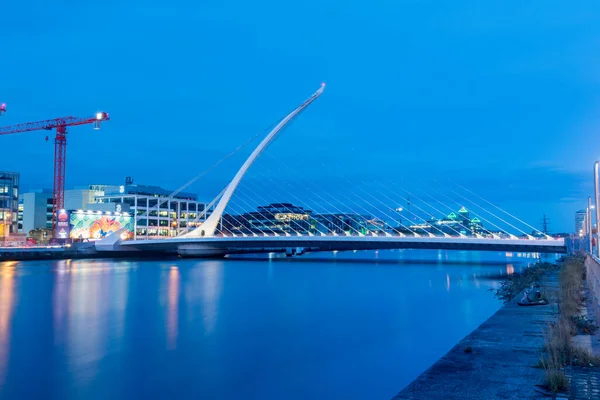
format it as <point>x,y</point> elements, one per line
<point>295,230</point>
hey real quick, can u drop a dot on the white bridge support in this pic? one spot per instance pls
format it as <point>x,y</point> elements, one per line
<point>208,228</point>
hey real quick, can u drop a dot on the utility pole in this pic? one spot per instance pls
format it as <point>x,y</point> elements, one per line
<point>545,223</point>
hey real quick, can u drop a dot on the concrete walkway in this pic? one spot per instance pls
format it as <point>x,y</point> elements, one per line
<point>505,349</point>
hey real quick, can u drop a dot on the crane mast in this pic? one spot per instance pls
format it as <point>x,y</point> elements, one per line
<point>60,148</point>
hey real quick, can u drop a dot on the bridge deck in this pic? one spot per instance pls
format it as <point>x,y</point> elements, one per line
<point>329,243</point>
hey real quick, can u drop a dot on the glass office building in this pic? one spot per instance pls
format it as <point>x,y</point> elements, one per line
<point>9,203</point>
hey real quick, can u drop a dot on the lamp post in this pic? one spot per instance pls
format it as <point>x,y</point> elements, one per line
<point>590,225</point>
<point>597,199</point>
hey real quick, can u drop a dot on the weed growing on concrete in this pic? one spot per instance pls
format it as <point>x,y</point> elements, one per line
<point>583,325</point>
<point>558,346</point>
<point>584,358</point>
<point>516,282</point>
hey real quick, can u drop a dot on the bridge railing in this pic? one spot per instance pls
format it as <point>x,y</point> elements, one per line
<point>371,234</point>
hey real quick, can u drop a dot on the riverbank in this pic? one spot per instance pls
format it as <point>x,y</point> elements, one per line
<point>501,358</point>
<point>72,252</point>
<point>495,361</point>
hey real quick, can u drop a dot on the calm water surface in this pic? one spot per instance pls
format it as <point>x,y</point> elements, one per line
<point>357,326</point>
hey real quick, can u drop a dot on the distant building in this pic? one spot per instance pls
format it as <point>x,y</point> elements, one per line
<point>276,218</point>
<point>94,211</point>
<point>348,223</point>
<point>455,223</point>
<point>156,215</point>
<point>580,217</point>
<point>9,204</point>
<point>287,218</point>
<point>35,211</point>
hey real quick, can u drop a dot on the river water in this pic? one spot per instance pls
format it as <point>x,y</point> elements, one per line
<point>352,326</point>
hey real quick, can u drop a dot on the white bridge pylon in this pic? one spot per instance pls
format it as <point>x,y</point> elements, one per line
<point>208,228</point>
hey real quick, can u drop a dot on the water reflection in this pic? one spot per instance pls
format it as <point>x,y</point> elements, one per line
<point>172,307</point>
<point>113,324</point>
<point>81,302</point>
<point>510,269</point>
<point>7,298</point>
<point>211,289</point>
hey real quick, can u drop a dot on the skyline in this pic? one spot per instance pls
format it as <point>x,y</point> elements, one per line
<point>504,98</point>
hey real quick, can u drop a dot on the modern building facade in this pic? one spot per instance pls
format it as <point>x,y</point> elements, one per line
<point>155,213</point>
<point>289,219</point>
<point>454,224</point>
<point>276,218</point>
<point>348,223</point>
<point>580,217</point>
<point>35,211</point>
<point>92,211</point>
<point>9,204</point>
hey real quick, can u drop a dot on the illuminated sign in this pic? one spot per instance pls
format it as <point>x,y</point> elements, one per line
<point>62,224</point>
<point>97,226</point>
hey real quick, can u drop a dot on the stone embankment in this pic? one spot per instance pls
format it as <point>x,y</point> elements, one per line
<point>501,358</point>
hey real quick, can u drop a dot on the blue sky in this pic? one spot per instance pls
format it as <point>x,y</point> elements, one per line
<point>503,98</point>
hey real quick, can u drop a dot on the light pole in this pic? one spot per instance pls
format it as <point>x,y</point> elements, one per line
<point>597,198</point>
<point>590,225</point>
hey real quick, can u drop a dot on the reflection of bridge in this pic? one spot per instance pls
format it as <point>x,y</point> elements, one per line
<point>205,241</point>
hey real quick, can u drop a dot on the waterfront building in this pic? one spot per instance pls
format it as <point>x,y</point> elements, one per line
<point>455,223</point>
<point>155,213</point>
<point>280,218</point>
<point>35,211</point>
<point>287,218</point>
<point>348,223</point>
<point>94,211</point>
<point>9,204</point>
<point>579,222</point>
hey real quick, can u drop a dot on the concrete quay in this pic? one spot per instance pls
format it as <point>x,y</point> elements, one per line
<point>500,363</point>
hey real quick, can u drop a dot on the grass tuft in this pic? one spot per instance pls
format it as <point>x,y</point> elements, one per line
<point>517,282</point>
<point>559,349</point>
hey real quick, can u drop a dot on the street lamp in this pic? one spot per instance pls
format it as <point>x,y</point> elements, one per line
<point>590,225</point>
<point>597,198</point>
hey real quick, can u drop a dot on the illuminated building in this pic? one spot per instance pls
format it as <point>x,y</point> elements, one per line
<point>348,223</point>
<point>455,223</point>
<point>35,211</point>
<point>156,214</point>
<point>9,204</point>
<point>274,218</point>
<point>579,220</point>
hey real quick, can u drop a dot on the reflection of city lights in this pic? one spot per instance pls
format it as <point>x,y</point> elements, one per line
<point>172,315</point>
<point>447,282</point>
<point>510,269</point>
<point>7,289</point>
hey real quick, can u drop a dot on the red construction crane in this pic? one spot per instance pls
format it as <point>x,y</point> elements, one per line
<point>60,148</point>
